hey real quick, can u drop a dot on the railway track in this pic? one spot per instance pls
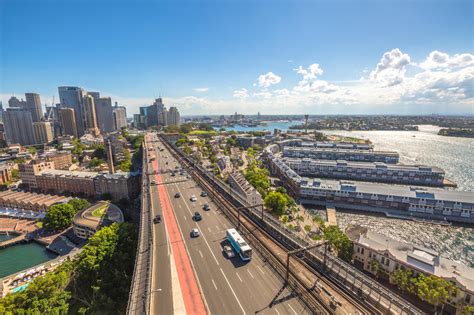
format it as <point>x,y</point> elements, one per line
<point>320,294</point>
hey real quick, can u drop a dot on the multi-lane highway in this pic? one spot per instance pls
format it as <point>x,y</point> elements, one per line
<point>192,275</point>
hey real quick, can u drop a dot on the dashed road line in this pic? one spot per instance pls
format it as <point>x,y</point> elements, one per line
<point>200,253</point>
<point>215,286</point>
<point>239,277</point>
<point>250,274</point>
<point>260,269</point>
<point>292,309</point>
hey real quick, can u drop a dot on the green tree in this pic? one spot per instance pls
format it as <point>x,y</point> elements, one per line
<point>376,268</point>
<point>181,141</point>
<point>467,310</point>
<point>258,177</point>
<point>276,202</point>
<point>44,295</point>
<point>281,189</point>
<point>15,174</point>
<point>185,128</point>
<point>78,147</point>
<point>79,204</point>
<point>307,228</point>
<point>95,162</point>
<point>284,219</point>
<point>32,150</point>
<point>59,217</point>
<point>99,151</point>
<point>339,241</point>
<point>433,290</point>
<point>401,278</point>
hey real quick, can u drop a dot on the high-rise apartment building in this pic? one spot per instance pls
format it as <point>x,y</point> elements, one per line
<point>120,117</point>
<point>28,172</point>
<point>18,126</point>
<point>43,131</point>
<point>15,102</point>
<point>173,117</point>
<point>33,104</point>
<point>67,118</point>
<point>104,113</point>
<point>88,113</point>
<point>72,97</point>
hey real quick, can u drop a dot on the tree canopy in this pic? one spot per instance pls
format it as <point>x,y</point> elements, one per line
<point>79,204</point>
<point>339,241</point>
<point>276,201</point>
<point>59,217</point>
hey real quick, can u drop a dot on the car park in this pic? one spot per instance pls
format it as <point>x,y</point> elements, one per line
<point>229,252</point>
<point>206,207</point>
<point>197,216</point>
<point>177,195</point>
<point>157,219</point>
<point>193,198</point>
<point>194,232</point>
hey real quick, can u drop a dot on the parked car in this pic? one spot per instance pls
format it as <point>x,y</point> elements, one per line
<point>229,252</point>
<point>194,232</point>
<point>203,194</point>
<point>206,207</point>
<point>193,198</point>
<point>197,216</point>
<point>177,195</point>
<point>157,219</point>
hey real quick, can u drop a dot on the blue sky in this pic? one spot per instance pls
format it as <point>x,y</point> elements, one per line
<point>207,56</point>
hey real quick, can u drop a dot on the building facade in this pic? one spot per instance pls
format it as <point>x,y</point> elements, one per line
<point>33,104</point>
<point>29,171</point>
<point>120,117</point>
<point>67,118</point>
<point>43,131</point>
<point>104,114</point>
<point>5,173</point>
<point>66,182</point>
<point>72,97</point>
<point>62,159</point>
<point>238,182</point>
<point>89,115</point>
<point>18,126</point>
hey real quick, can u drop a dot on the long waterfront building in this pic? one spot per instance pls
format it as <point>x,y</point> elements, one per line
<point>341,154</point>
<point>396,200</point>
<point>368,171</point>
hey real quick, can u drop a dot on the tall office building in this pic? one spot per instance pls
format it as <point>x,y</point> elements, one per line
<point>33,104</point>
<point>68,122</point>
<point>88,113</point>
<point>72,97</point>
<point>43,131</point>
<point>104,114</point>
<point>1,112</point>
<point>173,116</point>
<point>18,126</point>
<point>120,117</point>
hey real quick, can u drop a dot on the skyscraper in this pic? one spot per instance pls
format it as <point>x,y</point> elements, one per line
<point>15,102</point>
<point>68,122</point>
<point>120,117</point>
<point>173,116</point>
<point>88,113</point>
<point>104,114</point>
<point>18,126</point>
<point>33,104</point>
<point>43,131</point>
<point>72,97</point>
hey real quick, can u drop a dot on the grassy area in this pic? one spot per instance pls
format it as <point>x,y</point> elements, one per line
<point>99,212</point>
<point>39,224</point>
<point>203,132</point>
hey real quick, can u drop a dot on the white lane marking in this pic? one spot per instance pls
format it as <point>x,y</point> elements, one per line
<point>239,277</point>
<point>217,227</point>
<point>215,286</point>
<point>292,309</point>
<point>260,269</point>
<point>250,274</point>
<point>200,253</point>
<point>278,313</point>
<point>233,292</point>
<point>209,229</point>
<point>185,218</point>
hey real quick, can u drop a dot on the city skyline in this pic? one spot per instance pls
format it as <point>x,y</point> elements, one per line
<point>315,58</point>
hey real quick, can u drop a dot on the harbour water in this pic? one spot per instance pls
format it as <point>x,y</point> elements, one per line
<point>22,256</point>
<point>270,126</point>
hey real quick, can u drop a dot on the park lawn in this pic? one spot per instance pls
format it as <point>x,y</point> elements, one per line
<point>99,212</point>
<point>203,132</point>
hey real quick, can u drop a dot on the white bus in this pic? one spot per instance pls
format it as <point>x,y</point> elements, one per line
<point>239,244</point>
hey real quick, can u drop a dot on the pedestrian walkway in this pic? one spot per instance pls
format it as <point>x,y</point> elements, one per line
<point>331,215</point>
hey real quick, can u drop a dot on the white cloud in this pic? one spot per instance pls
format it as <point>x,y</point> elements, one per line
<point>241,93</point>
<point>202,89</point>
<point>265,80</point>
<point>263,94</point>
<point>391,68</point>
<point>441,60</point>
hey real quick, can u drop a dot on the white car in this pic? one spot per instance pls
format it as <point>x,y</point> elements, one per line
<point>229,252</point>
<point>193,198</point>
<point>195,232</point>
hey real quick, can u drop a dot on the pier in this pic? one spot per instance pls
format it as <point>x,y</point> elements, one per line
<point>331,215</point>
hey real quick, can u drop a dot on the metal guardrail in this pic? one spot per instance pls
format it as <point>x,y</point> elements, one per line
<point>351,278</point>
<point>139,297</point>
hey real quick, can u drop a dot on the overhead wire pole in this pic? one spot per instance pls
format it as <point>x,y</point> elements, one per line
<point>296,251</point>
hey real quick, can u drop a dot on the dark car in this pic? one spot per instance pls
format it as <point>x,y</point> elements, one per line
<point>197,216</point>
<point>206,207</point>
<point>157,219</point>
<point>177,195</point>
<point>203,194</point>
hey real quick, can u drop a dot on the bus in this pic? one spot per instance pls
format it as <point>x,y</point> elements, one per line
<point>239,244</point>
